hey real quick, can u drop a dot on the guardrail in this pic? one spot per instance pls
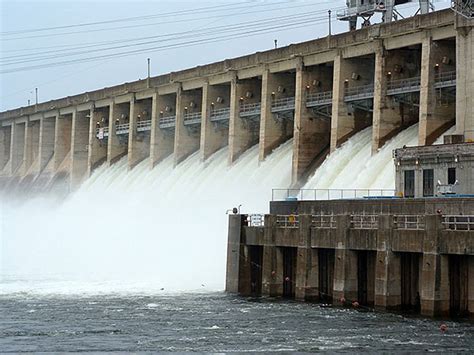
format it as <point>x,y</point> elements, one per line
<point>250,109</point>
<point>102,133</point>
<point>409,222</point>
<point>318,98</point>
<point>286,103</point>
<point>445,79</point>
<point>365,221</point>
<point>458,222</point>
<point>220,114</point>
<point>404,85</point>
<point>167,122</point>
<point>256,220</point>
<point>290,221</point>
<point>323,221</point>
<point>359,92</point>
<point>192,118</point>
<point>122,128</point>
<point>329,194</point>
<point>143,126</point>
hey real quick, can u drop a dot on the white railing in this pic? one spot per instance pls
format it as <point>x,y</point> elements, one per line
<point>329,194</point>
<point>321,98</point>
<point>359,92</point>
<point>360,10</point>
<point>250,109</point>
<point>286,103</point>
<point>192,118</point>
<point>287,221</point>
<point>256,220</point>
<point>409,222</point>
<point>323,221</point>
<point>364,221</point>
<point>122,128</point>
<point>458,222</point>
<point>102,133</point>
<point>167,122</point>
<point>220,114</point>
<point>404,85</point>
<point>144,126</point>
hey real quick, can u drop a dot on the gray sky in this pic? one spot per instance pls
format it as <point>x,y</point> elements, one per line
<point>59,81</point>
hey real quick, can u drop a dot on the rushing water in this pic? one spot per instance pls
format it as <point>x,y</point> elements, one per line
<point>135,260</point>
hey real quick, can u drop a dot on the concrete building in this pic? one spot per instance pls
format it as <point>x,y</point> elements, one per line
<point>319,93</point>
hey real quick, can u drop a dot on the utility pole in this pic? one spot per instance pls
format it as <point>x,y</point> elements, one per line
<point>148,76</point>
<point>329,14</point>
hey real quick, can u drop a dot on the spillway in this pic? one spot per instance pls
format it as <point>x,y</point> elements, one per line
<point>163,229</point>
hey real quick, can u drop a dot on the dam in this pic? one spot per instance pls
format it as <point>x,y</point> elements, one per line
<point>270,119</point>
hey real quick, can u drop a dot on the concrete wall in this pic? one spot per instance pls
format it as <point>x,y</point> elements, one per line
<point>139,142</point>
<point>79,146</point>
<point>117,146</point>
<point>5,145</point>
<point>161,140</point>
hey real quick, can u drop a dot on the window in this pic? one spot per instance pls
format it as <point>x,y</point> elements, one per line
<point>428,182</point>
<point>409,183</point>
<point>451,176</point>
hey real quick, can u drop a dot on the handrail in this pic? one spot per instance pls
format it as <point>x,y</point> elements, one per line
<point>167,122</point>
<point>219,114</point>
<point>254,108</point>
<point>318,96</point>
<point>404,84</point>
<point>445,76</point>
<point>122,128</point>
<point>365,221</point>
<point>329,194</point>
<point>287,221</point>
<point>102,132</point>
<point>256,220</point>
<point>283,103</point>
<point>409,222</point>
<point>458,222</point>
<point>322,221</point>
<point>144,125</point>
<point>194,117</point>
<point>361,91</point>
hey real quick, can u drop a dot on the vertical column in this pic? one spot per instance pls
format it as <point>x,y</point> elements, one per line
<point>269,275</point>
<point>138,142</point>
<point>62,140</point>
<point>97,151</point>
<point>79,142</point>
<point>31,145</point>
<point>274,131</point>
<point>434,117</point>
<point>387,267</point>
<point>117,148</point>
<point>233,253</point>
<point>465,81</point>
<point>345,266</point>
<point>470,291</point>
<point>17,146</point>
<point>187,137</point>
<point>5,144</point>
<point>46,141</point>
<point>435,273</point>
<point>303,257</point>
<point>161,140</point>
<point>214,135</point>
<point>243,133</point>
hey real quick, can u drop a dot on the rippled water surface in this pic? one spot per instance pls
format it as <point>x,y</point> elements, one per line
<point>212,322</point>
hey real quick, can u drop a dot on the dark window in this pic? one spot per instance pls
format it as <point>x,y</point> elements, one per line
<point>409,183</point>
<point>428,182</point>
<point>451,176</point>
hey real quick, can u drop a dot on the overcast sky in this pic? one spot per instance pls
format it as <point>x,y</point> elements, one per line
<point>18,51</point>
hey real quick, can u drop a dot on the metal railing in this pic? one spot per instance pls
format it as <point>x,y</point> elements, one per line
<point>250,109</point>
<point>409,222</point>
<point>445,79</point>
<point>329,194</point>
<point>102,133</point>
<point>143,126</point>
<point>256,220</point>
<point>463,7</point>
<point>318,98</point>
<point>192,118</point>
<point>323,221</point>
<point>359,92</point>
<point>167,122</point>
<point>220,114</point>
<point>458,222</point>
<point>287,221</point>
<point>367,221</point>
<point>283,104</point>
<point>404,85</point>
<point>122,128</point>
<point>360,10</point>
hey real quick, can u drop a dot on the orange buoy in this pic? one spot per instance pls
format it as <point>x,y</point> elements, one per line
<point>443,327</point>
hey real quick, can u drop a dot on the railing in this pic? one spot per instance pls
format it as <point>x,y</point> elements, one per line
<point>329,194</point>
<point>359,92</point>
<point>283,104</point>
<point>409,222</point>
<point>220,114</point>
<point>318,98</point>
<point>256,220</point>
<point>458,222</point>
<point>167,122</point>
<point>463,7</point>
<point>143,126</point>
<point>122,128</point>
<point>250,109</point>
<point>361,9</point>
<point>445,79</point>
<point>192,118</point>
<point>404,85</point>
<point>290,221</point>
<point>365,221</point>
<point>323,221</point>
<point>102,133</point>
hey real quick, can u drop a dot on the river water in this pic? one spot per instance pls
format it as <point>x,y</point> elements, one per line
<point>213,322</point>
